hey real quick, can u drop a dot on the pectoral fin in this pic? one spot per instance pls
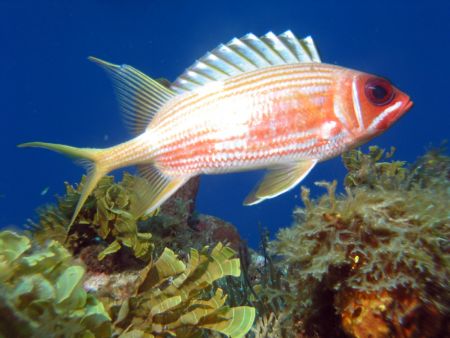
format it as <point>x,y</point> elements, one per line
<point>279,180</point>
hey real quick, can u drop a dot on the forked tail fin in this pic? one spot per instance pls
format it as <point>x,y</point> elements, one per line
<point>89,157</point>
<point>141,98</point>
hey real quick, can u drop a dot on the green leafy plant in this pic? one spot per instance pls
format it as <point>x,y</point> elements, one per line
<point>41,293</point>
<point>174,298</point>
<point>106,216</point>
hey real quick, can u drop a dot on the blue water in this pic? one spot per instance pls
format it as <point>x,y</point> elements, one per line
<point>50,92</point>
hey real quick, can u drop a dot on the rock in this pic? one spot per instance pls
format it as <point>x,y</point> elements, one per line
<point>181,205</point>
<point>215,230</point>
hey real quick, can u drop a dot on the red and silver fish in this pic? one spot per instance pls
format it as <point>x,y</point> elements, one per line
<point>253,103</point>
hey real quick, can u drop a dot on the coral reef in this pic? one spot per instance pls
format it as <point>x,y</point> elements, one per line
<point>41,293</point>
<point>184,294</point>
<point>398,313</point>
<point>375,259</point>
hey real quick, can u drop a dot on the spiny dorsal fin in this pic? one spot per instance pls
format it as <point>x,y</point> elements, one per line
<point>246,54</point>
<point>140,96</point>
<point>279,180</point>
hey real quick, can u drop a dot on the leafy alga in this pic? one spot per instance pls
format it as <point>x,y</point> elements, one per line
<point>41,293</point>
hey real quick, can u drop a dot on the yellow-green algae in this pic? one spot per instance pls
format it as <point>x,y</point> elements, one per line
<point>41,293</point>
<point>107,216</point>
<point>106,221</point>
<point>389,228</point>
<point>178,299</point>
<point>388,232</point>
<point>42,296</point>
<point>171,297</point>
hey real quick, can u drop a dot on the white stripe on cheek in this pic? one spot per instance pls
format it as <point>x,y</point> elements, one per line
<point>384,114</point>
<point>356,105</point>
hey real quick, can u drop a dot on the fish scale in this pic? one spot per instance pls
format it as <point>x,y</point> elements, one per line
<point>245,83</point>
<point>264,118</point>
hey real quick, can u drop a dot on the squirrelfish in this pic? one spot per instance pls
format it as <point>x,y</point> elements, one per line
<point>252,103</point>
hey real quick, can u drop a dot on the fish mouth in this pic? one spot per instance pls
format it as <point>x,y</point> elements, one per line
<point>402,109</point>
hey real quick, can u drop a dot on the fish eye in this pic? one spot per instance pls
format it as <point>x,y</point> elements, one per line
<point>379,91</point>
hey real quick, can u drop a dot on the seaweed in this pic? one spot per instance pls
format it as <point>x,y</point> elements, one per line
<point>372,260</point>
<point>106,226</point>
<point>269,326</point>
<point>106,219</point>
<point>174,298</point>
<point>41,293</point>
<point>386,235</point>
<point>269,292</point>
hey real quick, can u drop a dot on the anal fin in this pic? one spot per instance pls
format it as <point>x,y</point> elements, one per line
<point>153,189</point>
<point>278,180</point>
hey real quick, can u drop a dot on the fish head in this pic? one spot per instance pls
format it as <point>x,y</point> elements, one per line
<point>376,105</point>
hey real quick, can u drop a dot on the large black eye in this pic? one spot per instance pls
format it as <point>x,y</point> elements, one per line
<point>379,91</point>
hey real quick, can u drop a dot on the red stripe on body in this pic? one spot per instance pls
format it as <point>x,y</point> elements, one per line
<point>277,125</point>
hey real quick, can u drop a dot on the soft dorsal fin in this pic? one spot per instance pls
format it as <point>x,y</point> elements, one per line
<point>279,180</point>
<point>246,54</point>
<point>140,96</point>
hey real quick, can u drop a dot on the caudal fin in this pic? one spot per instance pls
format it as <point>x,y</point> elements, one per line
<point>88,157</point>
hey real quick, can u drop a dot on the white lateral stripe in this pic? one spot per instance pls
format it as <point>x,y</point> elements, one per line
<point>356,105</point>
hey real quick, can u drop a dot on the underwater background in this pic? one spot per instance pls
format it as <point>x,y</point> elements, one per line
<point>359,249</point>
<point>51,92</point>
